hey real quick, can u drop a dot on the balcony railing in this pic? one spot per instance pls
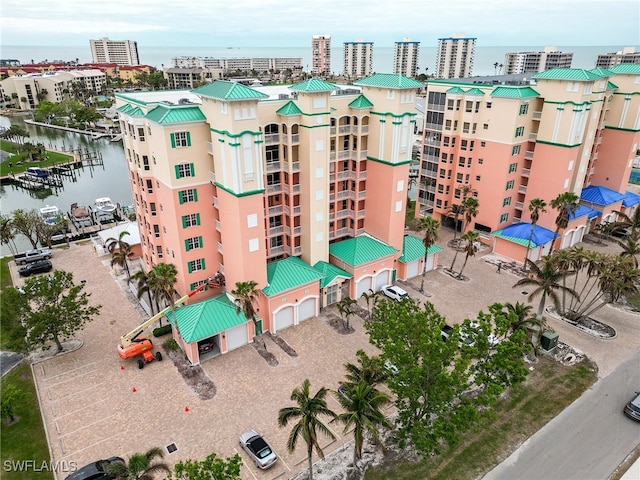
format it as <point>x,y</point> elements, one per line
<point>273,251</point>
<point>342,194</point>
<point>361,214</point>
<point>526,172</point>
<point>218,226</point>
<point>332,131</point>
<point>344,175</point>
<point>271,138</point>
<point>277,210</point>
<point>273,167</point>
<point>212,177</point>
<point>362,175</point>
<point>344,129</point>
<point>364,129</point>
<point>295,167</point>
<point>219,247</point>
<point>528,155</point>
<point>536,115</point>
<point>362,194</point>
<point>215,202</point>
<point>275,188</point>
<point>522,189</point>
<point>210,148</point>
<point>276,230</point>
<point>533,137</point>
<point>344,155</point>
<point>519,205</point>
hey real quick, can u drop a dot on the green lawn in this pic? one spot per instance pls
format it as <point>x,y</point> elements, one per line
<point>526,409</point>
<point>24,440</point>
<point>52,159</point>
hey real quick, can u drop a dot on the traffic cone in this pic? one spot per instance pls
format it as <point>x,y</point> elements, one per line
<point>186,409</point>
<point>134,390</point>
<point>121,367</point>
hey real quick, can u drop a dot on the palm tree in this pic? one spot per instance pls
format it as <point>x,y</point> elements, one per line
<point>470,206</point>
<point>362,412</point>
<point>626,221</point>
<point>470,248</point>
<point>161,281</point>
<point>142,284</point>
<point>456,211</point>
<point>495,68</point>
<point>120,251</point>
<point>536,208</point>
<point>7,233</point>
<point>246,294</point>
<point>345,308</point>
<point>546,280</point>
<point>307,411</point>
<point>630,246</point>
<point>566,204</point>
<point>371,298</point>
<point>521,317</point>
<point>369,370</point>
<point>563,260</point>
<point>141,466</point>
<point>429,226</point>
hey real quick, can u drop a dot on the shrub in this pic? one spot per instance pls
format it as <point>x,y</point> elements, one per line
<point>160,331</point>
<point>171,345</point>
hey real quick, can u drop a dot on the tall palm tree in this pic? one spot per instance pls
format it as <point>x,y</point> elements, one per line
<point>630,246</point>
<point>564,261</point>
<point>162,283</point>
<point>120,251</point>
<point>371,298</point>
<point>345,308</point>
<point>362,406</point>
<point>522,318</point>
<point>246,294</point>
<point>7,233</point>
<point>546,281</point>
<point>626,221</point>
<point>429,227</point>
<point>142,284</point>
<point>470,206</point>
<point>141,466</point>
<point>536,208</point>
<point>470,249</point>
<point>566,204</point>
<point>369,370</point>
<point>307,411</point>
<point>456,211</point>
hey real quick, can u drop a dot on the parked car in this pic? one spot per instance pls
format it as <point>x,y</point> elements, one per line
<point>205,346</point>
<point>343,390</point>
<point>632,408</point>
<point>394,292</point>
<point>32,256</point>
<point>621,232</point>
<point>258,449</point>
<point>446,332</point>
<point>95,470</point>
<point>41,266</point>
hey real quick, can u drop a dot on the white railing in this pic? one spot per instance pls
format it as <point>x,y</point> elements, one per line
<point>210,148</point>
<point>341,232</point>
<point>344,129</point>
<point>273,167</point>
<point>528,155</point>
<point>295,138</point>
<point>522,189</point>
<point>533,137</point>
<point>276,230</point>
<point>526,172</point>
<point>364,129</point>
<point>519,205</point>
<point>275,210</point>
<point>362,194</point>
<point>332,155</point>
<point>536,115</point>
<point>342,194</point>
<point>297,250</point>
<point>297,230</point>
<point>215,202</point>
<point>275,188</point>
<point>363,154</point>
<point>218,226</point>
<point>271,138</point>
<point>362,175</point>
<point>212,177</point>
<point>361,214</point>
<point>344,175</point>
<point>296,188</point>
<point>359,231</point>
<point>344,155</point>
<point>297,210</point>
<point>219,247</point>
<point>273,251</point>
<point>295,167</point>
<point>342,213</point>
<point>332,131</point>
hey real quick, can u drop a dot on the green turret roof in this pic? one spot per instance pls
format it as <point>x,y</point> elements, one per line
<point>126,108</point>
<point>288,109</point>
<point>230,91</point>
<point>474,91</point>
<point>314,85</point>
<point>176,114</point>
<point>361,102</point>
<point>455,90</point>
<point>603,72</point>
<point>389,80</point>
<point>361,249</point>
<point>514,92</point>
<point>291,272</point>
<point>578,74</point>
<point>413,249</point>
<point>329,273</point>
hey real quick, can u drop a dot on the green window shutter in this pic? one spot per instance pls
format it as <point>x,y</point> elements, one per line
<point>192,170</point>
<point>184,221</point>
<point>186,247</point>
<point>195,194</point>
<point>190,266</point>
<point>197,219</point>
<point>200,242</point>
<point>203,266</point>
<point>188,139</point>
<point>180,198</point>
<point>173,140</point>
<point>192,287</point>
<point>177,167</point>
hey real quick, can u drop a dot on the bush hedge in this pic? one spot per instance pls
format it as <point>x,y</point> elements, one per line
<point>160,331</point>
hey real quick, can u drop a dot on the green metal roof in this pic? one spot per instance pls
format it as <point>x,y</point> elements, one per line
<point>136,112</point>
<point>455,90</point>
<point>329,272</point>
<point>611,86</point>
<point>288,109</point>
<point>602,72</point>
<point>176,114</point>
<point>209,317</point>
<point>314,85</point>
<point>126,108</point>
<point>288,273</point>
<point>514,92</point>
<point>231,91</point>
<point>629,68</point>
<point>361,249</point>
<point>361,102</point>
<point>474,91</point>
<point>388,80</point>
<point>413,249</point>
<point>568,74</point>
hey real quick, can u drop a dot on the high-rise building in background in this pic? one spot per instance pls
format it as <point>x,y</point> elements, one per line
<point>122,52</point>
<point>405,58</point>
<point>358,59</point>
<point>321,54</point>
<point>571,130</point>
<point>627,55</point>
<point>455,57</point>
<point>535,62</point>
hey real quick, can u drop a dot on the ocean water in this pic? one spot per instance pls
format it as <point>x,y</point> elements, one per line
<point>485,56</point>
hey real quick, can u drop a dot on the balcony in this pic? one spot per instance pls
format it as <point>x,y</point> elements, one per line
<point>332,155</point>
<point>271,138</point>
<point>210,148</point>
<point>533,137</point>
<point>215,202</point>
<point>344,175</point>
<point>364,129</point>
<point>362,175</point>
<point>332,131</point>
<point>275,188</point>
<point>342,194</point>
<point>212,177</point>
<point>361,214</point>
<point>362,194</point>
<point>528,155</point>
<point>277,230</point>
<point>526,172</point>
<point>344,155</point>
<point>519,205</point>
<point>344,129</point>
<point>295,167</point>
<point>274,251</point>
<point>363,155</point>
<point>277,210</point>
<point>218,226</point>
<point>296,210</point>
<point>522,189</point>
<point>536,115</point>
<point>273,167</point>
<point>219,247</point>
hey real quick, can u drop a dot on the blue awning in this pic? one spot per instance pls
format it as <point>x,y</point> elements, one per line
<point>600,195</point>
<point>630,199</point>
<point>519,233</point>
<point>584,210</point>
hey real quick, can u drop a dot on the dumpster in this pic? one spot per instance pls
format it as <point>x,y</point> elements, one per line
<point>549,340</point>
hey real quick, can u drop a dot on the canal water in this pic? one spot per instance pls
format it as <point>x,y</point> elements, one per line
<point>108,180</point>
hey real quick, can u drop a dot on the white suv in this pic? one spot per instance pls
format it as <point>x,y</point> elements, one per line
<point>394,292</point>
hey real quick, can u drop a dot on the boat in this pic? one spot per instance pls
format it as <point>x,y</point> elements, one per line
<point>37,173</point>
<point>50,214</point>
<point>80,214</point>
<point>104,205</point>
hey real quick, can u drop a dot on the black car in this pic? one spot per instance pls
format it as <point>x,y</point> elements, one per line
<point>632,409</point>
<point>96,470</point>
<point>41,266</point>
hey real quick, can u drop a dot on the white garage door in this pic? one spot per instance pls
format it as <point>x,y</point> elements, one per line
<point>364,285</point>
<point>566,240</point>
<point>307,309</point>
<point>413,269</point>
<point>236,337</point>
<point>430,263</point>
<point>284,318</point>
<point>382,279</point>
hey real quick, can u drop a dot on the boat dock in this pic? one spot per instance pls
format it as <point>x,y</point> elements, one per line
<point>78,230</point>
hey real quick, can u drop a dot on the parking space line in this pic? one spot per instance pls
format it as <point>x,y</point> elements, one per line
<point>82,408</point>
<point>86,447</point>
<point>87,425</point>
<point>285,463</point>
<point>67,372</point>
<point>245,464</point>
<point>75,393</point>
<point>51,385</point>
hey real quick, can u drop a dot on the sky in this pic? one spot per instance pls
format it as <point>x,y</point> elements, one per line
<point>280,23</point>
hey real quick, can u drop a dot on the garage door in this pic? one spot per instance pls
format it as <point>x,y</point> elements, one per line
<point>236,337</point>
<point>412,269</point>
<point>382,279</point>
<point>284,318</point>
<point>307,309</point>
<point>364,285</point>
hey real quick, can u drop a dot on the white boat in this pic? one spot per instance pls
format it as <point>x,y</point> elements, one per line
<point>50,214</point>
<point>104,205</point>
<point>37,173</point>
<point>80,214</point>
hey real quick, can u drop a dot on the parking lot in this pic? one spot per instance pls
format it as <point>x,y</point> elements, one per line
<point>95,405</point>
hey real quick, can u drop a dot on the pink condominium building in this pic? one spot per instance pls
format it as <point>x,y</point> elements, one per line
<point>566,130</point>
<point>301,189</point>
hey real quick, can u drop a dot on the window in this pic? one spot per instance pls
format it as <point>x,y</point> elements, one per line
<point>141,134</point>
<point>483,144</point>
<point>465,127</point>
<point>461,161</point>
<point>524,108</point>
<point>468,106</point>
<point>156,230</point>
<point>445,157</point>
<point>457,193</point>
<point>506,202</point>
<point>145,162</point>
<point>195,265</point>
<point>152,206</point>
<point>463,144</point>
<point>442,173</point>
<point>480,161</point>
<point>445,142</point>
<point>180,139</point>
<point>485,126</point>
<point>510,184</point>
<point>513,167</point>
<point>193,243</point>
<point>149,186</point>
<point>504,217</point>
<point>450,104</point>
<point>159,250</point>
<point>477,178</point>
<point>519,131</point>
<point>187,196</point>
<point>447,124</point>
<point>185,170</point>
<point>515,150</point>
<point>459,177</point>
<point>488,104</point>
<point>190,220</point>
